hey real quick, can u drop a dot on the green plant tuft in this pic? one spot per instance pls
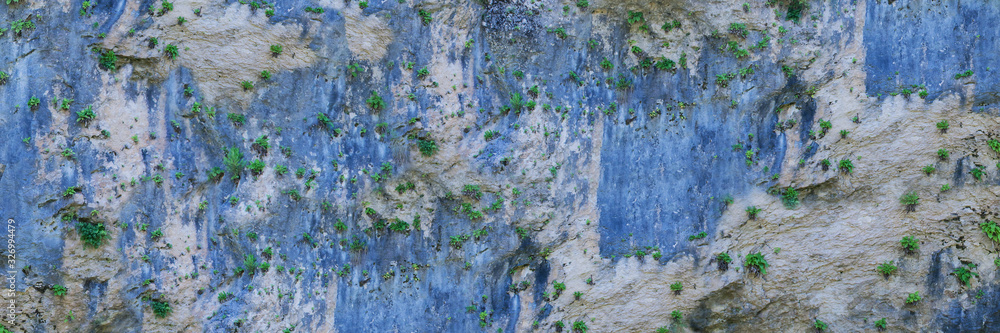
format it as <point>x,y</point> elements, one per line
<point>256,167</point>
<point>881,324</point>
<point>738,29</point>
<point>86,115</point>
<point>795,9</point>
<point>910,244</point>
<point>250,264</point>
<point>846,165</point>
<point>755,263</point>
<point>92,234</point>
<point>425,16</point>
<point>171,51</point>
<point>942,125</point>
<point>965,274</point>
<point>820,325</point>
<point>375,102</point>
<point>913,297</point>
<point>994,144</point>
<point>234,162</point>
<point>910,200</point>
<point>108,59</point>
<point>427,147</point>
<point>886,268</point>
<point>977,172</point>
<point>262,144</point>
<point>992,230</point>
<point>942,154</point>
<point>790,198</point>
<point>161,309</point>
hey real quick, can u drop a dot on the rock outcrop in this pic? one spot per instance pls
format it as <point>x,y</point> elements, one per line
<point>515,166</point>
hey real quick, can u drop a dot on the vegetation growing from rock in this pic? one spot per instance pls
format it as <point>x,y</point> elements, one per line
<point>790,198</point>
<point>887,268</point>
<point>965,274</point>
<point>910,244</point>
<point>913,297</point>
<point>755,263</point>
<point>234,162</point>
<point>910,200</point>
<point>161,309</point>
<point>552,144</point>
<point>92,234</point>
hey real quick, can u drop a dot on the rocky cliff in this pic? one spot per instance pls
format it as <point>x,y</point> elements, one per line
<point>500,166</point>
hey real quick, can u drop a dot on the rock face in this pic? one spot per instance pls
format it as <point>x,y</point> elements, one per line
<point>515,166</point>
